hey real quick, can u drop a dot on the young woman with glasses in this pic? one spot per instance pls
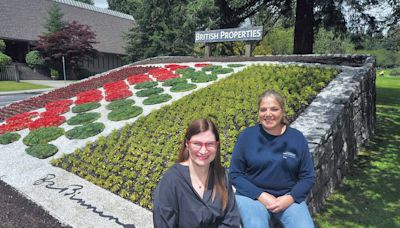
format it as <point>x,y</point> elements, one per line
<point>195,192</point>
<point>272,169</point>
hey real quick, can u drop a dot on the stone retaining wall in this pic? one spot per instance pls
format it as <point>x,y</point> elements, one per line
<point>337,123</point>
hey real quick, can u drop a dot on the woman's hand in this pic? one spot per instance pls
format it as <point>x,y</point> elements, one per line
<point>280,204</point>
<point>266,199</point>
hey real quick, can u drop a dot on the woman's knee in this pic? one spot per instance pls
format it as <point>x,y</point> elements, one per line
<point>252,212</point>
<point>297,215</point>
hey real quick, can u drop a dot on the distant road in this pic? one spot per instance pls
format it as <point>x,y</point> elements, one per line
<point>7,99</point>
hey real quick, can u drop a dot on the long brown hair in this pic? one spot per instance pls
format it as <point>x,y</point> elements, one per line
<point>216,171</point>
<point>279,99</point>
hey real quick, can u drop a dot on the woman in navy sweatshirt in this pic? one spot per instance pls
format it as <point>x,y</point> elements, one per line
<point>272,169</point>
<point>195,192</point>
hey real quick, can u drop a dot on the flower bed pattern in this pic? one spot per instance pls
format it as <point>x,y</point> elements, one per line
<point>113,91</point>
<point>69,91</point>
<point>135,169</point>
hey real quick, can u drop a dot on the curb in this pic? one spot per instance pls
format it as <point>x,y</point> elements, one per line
<point>38,91</point>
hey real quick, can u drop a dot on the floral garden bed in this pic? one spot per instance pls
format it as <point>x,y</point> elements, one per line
<point>110,101</point>
<point>130,162</point>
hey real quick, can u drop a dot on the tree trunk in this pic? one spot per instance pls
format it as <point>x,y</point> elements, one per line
<point>304,28</point>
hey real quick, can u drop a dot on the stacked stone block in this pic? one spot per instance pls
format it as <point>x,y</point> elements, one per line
<point>337,124</point>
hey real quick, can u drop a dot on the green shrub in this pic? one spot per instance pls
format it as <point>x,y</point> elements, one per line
<point>327,42</point>
<point>195,74</point>
<point>211,68</point>
<point>146,85</point>
<point>174,81</point>
<point>125,113</point>
<point>42,135</point>
<point>85,107</point>
<point>83,73</point>
<point>156,99</point>
<point>235,65</point>
<point>42,150</point>
<point>279,41</point>
<point>34,59</point>
<point>394,72</point>
<point>204,78</point>
<point>54,73</point>
<point>83,118</point>
<point>85,131</point>
<point>222,70</point>
<point>185,70</point>
<point>384,58</point>
<point>181,87</point>
<point>148,92</point>
<point>9,137</point>
<point>119,104</point>
<point>4,60</point>
<point>2,46</point>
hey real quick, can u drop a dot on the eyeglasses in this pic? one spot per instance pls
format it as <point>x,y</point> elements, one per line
<point>210,146</point>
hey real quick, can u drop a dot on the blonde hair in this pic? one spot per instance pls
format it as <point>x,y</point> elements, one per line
<point>279,99</point>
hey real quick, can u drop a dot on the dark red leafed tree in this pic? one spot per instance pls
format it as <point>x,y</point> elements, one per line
<point>74,41</point>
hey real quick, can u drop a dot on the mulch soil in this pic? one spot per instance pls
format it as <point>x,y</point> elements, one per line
<point>18,211</point>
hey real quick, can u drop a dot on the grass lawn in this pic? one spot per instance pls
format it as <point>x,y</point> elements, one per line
<point>370,194</point>
<point>6,86</point>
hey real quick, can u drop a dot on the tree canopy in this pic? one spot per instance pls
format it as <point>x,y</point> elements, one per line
<point>130,7</point>
<point>167,27</point>
<point>74,41</point>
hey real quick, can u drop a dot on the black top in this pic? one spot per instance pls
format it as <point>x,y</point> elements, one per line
<point>177,204</point>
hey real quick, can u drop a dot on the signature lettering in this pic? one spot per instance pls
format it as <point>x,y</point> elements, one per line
<point>72,191</point>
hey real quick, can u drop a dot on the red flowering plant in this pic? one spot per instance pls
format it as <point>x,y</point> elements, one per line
<point>55,111</point>
<point>121,94</point>
<point>18,122</point>
<point>70,91</point>
<point>57,104</point>
<point>48,121</point>
<point>159,71</point>
<point>174,67</point>
<point>113,86</point>
<point>138,78</point>
<point>162,74</point>
<point>117,90</point>
<point>22,117</point>
<point>89,96</point>
<point>165,77</point>
<point>202,64</point>
<point>14,126</point>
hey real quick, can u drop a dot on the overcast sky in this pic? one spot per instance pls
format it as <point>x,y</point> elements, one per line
<point>101,3</point>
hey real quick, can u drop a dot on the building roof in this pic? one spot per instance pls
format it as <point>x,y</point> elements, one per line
<point>24,20</point>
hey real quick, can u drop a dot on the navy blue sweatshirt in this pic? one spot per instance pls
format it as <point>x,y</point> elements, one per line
<point>278,165</point>
<point>177,204</point>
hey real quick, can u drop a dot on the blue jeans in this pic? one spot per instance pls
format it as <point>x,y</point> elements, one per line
<point>255,215</point>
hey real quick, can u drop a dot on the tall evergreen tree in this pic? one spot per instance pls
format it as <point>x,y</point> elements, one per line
<point>130,7</point>
<point>167,27</point>
<point>54,20</point>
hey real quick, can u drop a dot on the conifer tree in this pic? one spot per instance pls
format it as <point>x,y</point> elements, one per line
<point>54,20</point>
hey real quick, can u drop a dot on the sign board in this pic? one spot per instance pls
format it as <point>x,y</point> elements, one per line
<point>223,35</point>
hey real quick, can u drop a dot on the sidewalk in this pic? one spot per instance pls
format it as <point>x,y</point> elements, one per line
<point>52,83</point>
